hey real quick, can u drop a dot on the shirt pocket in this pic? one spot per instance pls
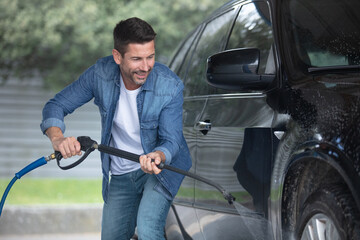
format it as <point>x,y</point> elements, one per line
<point>150,132</point>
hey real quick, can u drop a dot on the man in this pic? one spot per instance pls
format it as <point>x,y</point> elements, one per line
<point>140,102</point>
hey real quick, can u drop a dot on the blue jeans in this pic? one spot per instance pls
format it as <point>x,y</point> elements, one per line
<point>133,202</point>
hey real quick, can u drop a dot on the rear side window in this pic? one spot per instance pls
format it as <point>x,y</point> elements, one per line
<point>212,40</point>
<point>183,55</point>
<point>253,29</point>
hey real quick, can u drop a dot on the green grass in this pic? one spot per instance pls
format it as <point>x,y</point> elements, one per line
<point>52,191</point>
<point>28,191</point>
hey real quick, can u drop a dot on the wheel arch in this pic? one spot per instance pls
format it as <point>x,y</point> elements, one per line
<point>311,167</point>
<point>297,153</point>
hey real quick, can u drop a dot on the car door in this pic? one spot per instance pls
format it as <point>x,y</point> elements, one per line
<point>234,138</point>
<point>189,63</point>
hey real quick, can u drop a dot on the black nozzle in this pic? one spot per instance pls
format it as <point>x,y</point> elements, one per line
<point>230,198</point>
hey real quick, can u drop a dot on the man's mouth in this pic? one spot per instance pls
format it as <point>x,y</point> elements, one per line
<point>141,75</point>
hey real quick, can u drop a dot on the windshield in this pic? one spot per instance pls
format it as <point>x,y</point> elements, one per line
<point>323,33</point>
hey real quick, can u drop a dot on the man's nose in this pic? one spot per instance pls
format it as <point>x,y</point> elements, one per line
<point>145,66</point>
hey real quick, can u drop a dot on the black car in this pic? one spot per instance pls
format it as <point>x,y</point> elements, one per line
<point>272,113</point>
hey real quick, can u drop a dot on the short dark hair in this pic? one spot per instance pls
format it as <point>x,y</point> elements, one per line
<point>132,30</point>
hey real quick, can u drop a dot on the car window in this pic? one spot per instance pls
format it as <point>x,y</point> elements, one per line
<point>181,59</point>
<point>253,29</point>
<point>212,40</point>
<point>325,33</point>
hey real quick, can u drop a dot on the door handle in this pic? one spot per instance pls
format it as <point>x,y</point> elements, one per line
<point>203,126</point>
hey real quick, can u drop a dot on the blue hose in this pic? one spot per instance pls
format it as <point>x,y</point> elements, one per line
<point>38,163</point>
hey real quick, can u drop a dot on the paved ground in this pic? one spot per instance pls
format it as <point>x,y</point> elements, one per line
<point>68,222</point>
<point>85,236</point>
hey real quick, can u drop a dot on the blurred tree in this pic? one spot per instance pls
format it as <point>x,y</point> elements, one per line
<point>58,39</point>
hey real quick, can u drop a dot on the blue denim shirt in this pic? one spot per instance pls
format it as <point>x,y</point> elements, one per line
<point>159,105</point>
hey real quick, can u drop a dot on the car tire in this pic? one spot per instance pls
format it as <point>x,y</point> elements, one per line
<point>328,213</point>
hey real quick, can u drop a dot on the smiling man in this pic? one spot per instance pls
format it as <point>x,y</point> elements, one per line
<point>140,103</point>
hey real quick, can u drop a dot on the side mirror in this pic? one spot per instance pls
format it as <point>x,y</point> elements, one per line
<point>237,70</point>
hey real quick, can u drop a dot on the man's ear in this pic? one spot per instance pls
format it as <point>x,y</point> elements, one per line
<point>117,56</point>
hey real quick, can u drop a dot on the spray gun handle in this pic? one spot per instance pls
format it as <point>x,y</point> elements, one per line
<point>87,145</point>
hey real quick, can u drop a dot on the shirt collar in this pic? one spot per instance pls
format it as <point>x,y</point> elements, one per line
<point>150,81</point>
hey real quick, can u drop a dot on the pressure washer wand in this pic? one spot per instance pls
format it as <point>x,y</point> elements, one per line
<point>38,163</point>
<point>88,145</point>
<point>135,158</point>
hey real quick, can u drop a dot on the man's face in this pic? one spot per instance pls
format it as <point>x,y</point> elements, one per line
<point>136,64</point>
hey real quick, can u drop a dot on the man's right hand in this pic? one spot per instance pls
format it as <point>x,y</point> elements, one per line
<point>67,146</point>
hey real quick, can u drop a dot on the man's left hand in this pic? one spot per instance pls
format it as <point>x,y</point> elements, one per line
<point>149,166</point>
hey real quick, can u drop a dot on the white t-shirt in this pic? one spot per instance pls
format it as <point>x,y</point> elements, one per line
<point>126,131</point>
